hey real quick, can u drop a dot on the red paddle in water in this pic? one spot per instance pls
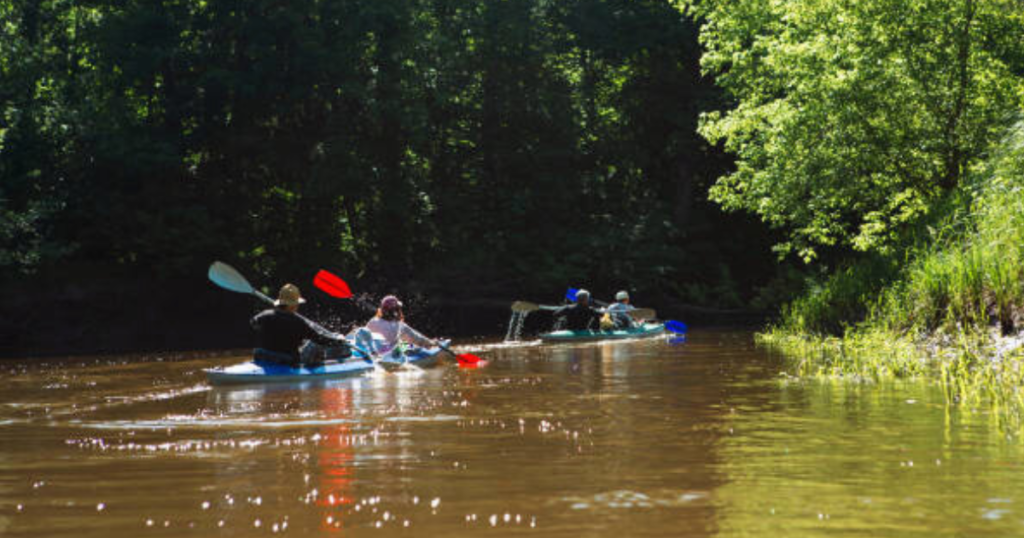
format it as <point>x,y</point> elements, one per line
<point>333,285</point>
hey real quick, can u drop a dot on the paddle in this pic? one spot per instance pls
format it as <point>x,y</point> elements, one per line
<point>640,313</point>
<point>334,286</point>
<point>671,325</point>
<point>525,306</point>
<point>677,327</point>
<point>465,359</point>
<point>230,279</point>
<point>571,295</point>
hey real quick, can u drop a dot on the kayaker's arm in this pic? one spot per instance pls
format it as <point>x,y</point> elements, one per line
<point>595,317</point>
<point>321,335</point>
<point>412,336</point>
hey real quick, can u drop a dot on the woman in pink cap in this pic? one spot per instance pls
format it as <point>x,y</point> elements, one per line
<point>382,333</point>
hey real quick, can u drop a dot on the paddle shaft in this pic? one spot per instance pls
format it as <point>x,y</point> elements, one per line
<point>464,357</point>
<point>647,313</point>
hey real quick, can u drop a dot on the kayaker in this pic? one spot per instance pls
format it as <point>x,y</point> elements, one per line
<point>619,311</point>
<point>385,330</point>
<point>579,316</point>
<point>285,337</point>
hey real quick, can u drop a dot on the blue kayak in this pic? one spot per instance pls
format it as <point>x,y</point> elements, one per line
<point>422,357</point>
<point>640,331</point>
<point>361,362</point>
<point>267,372</point>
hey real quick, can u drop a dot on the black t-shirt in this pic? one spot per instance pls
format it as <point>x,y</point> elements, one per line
<point>579,317</point>
<point>283,332</point>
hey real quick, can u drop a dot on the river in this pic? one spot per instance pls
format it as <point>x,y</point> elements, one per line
<point>644,438</point>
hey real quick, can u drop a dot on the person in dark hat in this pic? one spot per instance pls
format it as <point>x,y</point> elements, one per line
<point>285,337</point>
<point>579,316</point>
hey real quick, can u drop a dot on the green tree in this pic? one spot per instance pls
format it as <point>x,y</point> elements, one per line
<point>852,118</point>
<point>38,52</point>
<point>468,147</point>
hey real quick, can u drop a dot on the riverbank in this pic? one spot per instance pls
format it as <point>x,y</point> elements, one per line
<point>105,315</point>
<point>122,313</point>
<point>977,370</point>
<point>950,305</point>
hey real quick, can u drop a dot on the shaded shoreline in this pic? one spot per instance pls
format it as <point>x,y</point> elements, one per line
<point>111,315</point>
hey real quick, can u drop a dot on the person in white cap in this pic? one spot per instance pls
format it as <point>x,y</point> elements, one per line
<point>579,316</point>
<point>619,311</point>
<point>287,338</point>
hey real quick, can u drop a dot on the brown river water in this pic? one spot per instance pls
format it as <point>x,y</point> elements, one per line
<point>641,438</point>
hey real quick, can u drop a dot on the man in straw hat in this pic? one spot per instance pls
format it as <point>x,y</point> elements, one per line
<point>285,337</point>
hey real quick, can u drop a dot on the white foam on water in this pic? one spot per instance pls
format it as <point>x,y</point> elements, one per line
<point>435,418</point>
<point>628,499</point>
<point>159,396</point>
<point>253,422</point>
<point>214,423</point>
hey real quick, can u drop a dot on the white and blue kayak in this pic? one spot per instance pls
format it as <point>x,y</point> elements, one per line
<point>268,372</point>
<point>358,364</point>
<point>640,331</point>
<point>422,357</point>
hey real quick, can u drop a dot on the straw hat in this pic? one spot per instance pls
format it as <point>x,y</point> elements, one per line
<point>289,296</point>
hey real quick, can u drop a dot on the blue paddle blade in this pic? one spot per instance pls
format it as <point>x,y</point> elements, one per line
<point>676,340</point>
<point>571,294</point>
<point>677,327</point>
<point>228,278</point>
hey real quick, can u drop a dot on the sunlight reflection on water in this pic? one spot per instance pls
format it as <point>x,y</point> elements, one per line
<point>641,438</point>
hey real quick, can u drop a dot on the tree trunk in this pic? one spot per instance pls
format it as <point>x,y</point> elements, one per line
<point>954,149</point>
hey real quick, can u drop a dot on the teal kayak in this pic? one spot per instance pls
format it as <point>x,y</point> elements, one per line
<point>640,331</point>
<point>361,362</point>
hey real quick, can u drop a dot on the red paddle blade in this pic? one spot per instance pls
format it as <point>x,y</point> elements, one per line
<point>332,285</point>
<point>479,364</point>
<point>468,358</point>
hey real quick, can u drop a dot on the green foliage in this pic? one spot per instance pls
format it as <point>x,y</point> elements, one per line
<point>944,311</point>
<point>843,299</point>
<point>964,270</point>
<point>974,278</point>
<point>852,119</point>
<point>475,146</point>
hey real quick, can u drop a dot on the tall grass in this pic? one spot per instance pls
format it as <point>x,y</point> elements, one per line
<point>940,311</point>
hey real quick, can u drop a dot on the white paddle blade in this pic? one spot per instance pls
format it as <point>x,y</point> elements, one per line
<point>523,306</point>
<point>643,313</point>
<point>228,278</point>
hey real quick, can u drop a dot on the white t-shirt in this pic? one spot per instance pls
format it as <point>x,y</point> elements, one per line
<point>618,310</point>
<point>391,331</point>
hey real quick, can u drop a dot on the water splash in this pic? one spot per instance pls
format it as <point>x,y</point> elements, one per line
<point>515,326</point>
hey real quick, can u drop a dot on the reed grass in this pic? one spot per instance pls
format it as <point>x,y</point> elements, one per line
<point>950,306</point>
